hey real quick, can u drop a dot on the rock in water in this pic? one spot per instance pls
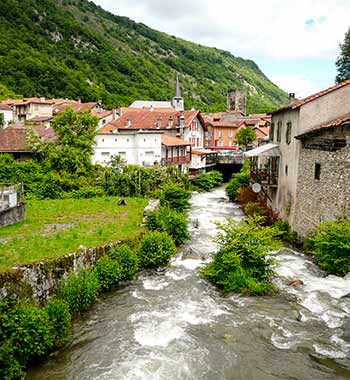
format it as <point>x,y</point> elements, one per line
<point>296,283</point>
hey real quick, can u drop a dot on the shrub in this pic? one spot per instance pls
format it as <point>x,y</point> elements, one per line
<point>170,221</point>
<point>86,192</point>
<point>207,181</point>
<point>330,243</point>
<point>242,263</point>
<point>238,180</point>
<point>28,330</point>
<point>10,368</point>
<point>59,318</point>
<point>156,249</point>
<point>253,209</point>
<point>127,260</point>
<point>246,195</point>
<point>109,272</point>
<point>174,196</point>
<point>79,290</point>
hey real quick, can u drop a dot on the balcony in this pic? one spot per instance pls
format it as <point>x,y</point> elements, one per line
<point>264,177</point>
<point>186,159</point>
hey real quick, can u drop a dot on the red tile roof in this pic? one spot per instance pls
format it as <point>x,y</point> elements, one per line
<point>5,107</point>
<point>301,102</point>
<point>329,125</point>
<point>226,124</point>
<point>14,138</point>
<point>24,101</point>
<point>136,118</point>
<point>76,106</point>
<point>174,141</point>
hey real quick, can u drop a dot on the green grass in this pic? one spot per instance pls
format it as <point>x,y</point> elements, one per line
<point>88,222</point>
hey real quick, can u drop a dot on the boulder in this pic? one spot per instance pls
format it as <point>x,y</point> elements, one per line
<point>296,283</point>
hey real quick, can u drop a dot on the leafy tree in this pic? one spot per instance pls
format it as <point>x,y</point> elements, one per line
<point>343,61</point>
<point>245,136</point>
<point>75,134</point>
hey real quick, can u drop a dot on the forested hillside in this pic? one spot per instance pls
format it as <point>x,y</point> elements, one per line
<point>73,48</point>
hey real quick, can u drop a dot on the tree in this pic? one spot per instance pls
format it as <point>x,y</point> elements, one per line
<point>245,136</point>
<point>343,61</point>
<point>75,134</point>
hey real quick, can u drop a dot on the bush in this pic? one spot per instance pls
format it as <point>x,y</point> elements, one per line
<point>27,329</point>
<point>330,243</point>
<point>59,318</point>
<point>127,260</point>
<point>207,181</point>
<point>156,249</point>
<point>86,192</point>
<point>109,272</point>
<point>253,209</point>
<point>79,291</point>
<point>174,196</point>
<point>10,368</point>
<point>242,263</point>
<point>246,195</point>
<point>238,180</point>
<point>170,221</point>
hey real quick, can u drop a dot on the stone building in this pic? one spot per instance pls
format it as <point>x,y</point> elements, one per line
<point>305,169</point>
<point>236,101</point>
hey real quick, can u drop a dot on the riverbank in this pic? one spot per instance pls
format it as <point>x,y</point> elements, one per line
<point>54,228</point>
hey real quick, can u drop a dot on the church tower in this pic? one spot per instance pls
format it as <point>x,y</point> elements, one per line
<point>178,101</point>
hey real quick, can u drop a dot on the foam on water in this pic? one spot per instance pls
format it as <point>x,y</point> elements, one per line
<point>155,283</point>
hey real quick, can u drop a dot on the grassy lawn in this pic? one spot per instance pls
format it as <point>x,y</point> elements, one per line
<point>56,227</point>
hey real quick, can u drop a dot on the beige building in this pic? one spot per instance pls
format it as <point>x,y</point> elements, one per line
<point>305,170</point>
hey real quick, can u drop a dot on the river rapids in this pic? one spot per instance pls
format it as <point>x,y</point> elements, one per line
<point>173,325</point>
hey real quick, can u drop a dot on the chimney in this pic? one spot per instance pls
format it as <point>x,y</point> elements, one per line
<point>79,99</point>
<point>291,97</point>
<point>151,108</point>
<point>128,123</point>
<point>42,99</point>
<point>114,113</point>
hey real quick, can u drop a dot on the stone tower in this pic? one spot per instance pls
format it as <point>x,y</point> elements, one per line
<point>236,101</point>
<point>178,101</point>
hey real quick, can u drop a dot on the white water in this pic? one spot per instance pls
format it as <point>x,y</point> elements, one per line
<point>172,325</point>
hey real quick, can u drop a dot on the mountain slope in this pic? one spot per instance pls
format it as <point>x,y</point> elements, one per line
<point>71,48</point>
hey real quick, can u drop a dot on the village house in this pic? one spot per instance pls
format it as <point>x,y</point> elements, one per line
<point>28,109</point>
<point>305,169</point>
<point>15,140</point>
<point>223,126</point>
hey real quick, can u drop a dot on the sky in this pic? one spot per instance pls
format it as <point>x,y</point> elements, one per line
<point>294,42</point>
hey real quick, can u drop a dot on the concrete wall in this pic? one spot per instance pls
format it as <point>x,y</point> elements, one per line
<point>327,197</point>
<point>12,215</point>
<point>8,117</point>
<point>284,201</point>
<point>324,109</point>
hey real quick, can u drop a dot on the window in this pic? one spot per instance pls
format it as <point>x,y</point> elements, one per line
<point>289,133</point>
<point>317,171</point>
<point>105,154</point>
<point>279,131</point>
<point>286,169</point>
<point>230,134</point>
<point>220,133</point>
<point>272,132</point>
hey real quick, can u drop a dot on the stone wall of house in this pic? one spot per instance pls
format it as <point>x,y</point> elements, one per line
<point>326,198</point>
<point>12,215</point>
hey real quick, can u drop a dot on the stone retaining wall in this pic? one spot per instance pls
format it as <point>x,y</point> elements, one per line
<point>12,215</point>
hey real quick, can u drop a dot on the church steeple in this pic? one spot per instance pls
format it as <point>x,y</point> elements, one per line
<point>177,101</point>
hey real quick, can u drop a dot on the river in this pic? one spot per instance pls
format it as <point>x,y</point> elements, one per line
<point>173,325</point>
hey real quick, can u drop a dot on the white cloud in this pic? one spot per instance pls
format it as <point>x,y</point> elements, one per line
<point>276,29</point>
<point>298,84</point>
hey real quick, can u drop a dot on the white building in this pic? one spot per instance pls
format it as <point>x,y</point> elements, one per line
<point>7,115</point>
<point>136,147</point>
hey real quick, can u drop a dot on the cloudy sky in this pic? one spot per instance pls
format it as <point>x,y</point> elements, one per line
<point>294,42</point>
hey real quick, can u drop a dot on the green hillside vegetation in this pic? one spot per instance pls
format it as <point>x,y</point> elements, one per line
<point>72,48</point>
